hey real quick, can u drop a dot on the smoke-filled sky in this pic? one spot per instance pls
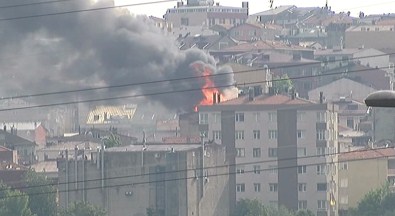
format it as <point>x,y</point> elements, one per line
<point>91,49</point>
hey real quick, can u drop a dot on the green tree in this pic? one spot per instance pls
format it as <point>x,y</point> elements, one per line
<point>246,207</point>
<point>278,211</point>
<point>82,209</point>
<point>42,194</point>
<point>304,213</point>
<point>282,84</point>
<point>13,202</point>
<point>112,141</point>
<point>378,202</point>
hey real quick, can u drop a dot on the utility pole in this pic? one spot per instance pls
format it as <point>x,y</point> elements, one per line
<point>391,75</point>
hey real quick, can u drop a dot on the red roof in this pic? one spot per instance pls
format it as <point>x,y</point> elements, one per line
<point>367,154</point>
<point>266,100</point>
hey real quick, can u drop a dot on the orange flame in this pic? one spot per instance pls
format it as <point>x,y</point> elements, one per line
<point>208,89</point>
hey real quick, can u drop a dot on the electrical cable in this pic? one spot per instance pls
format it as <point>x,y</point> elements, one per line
<point>179,91</point>
<point>187,78</point>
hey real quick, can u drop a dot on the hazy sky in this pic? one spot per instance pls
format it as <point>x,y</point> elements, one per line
<point>367,6</point>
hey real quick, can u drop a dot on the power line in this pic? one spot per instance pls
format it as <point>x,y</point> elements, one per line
<point>85,10</point>
<point>194,177</point>
<point>192,169</point>
<point>179,91</point>
<point>32,4</point>
<point>186,78</point>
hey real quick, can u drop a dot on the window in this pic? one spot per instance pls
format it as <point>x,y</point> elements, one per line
<point>300,116</point>
<point>350,123</point>
<point>272,134</point>
<point>343,166</point>
<point>240,187</point>
<point>344,182</point>
<point>302,204</point>
<point>184,21</point>
<point>322,186</point>
<point>302,187</point>
<point>272,152</point>
<point>239,117</point>
<point>321,151</point>
<point>257,187</point>
<point>321,116</point>
<point>302,152</point>
<point>257,169</point>
<point>273,169</point>
<point>321,204</point>
<point>96,118</point>
<point>273,187</point>
<point>344,199</point>
<point>257,134</point>
<point>239,135</point>
<point>240,152</point>
<point>240,169</point>
<point>217,135</point>
<point>257,116</point>
<point>321,169</point>
<point>203,118</point>
<point>217,117</point>
<point>256,152</point>
<point>302,169</point>
<point>320,134</point>
<point>300,134</point>
<point>272,116</point>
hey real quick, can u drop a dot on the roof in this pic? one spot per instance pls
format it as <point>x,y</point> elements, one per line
<point>367,154</point>
<point>348,51</point>
<point>101,114</point>
<point>266,100</point>
<point>325,20</point>
<point>371,28</point>
<point>263,45</point>
<point>71,146</point>
<point>154,148</point>
<point>336,83</point>
<point>45,166</point>
<point>14,140</point>
<point>275,11</point>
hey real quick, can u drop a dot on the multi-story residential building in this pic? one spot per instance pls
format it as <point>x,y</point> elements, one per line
<point>362,171</point>
<point>206,14</point>
<point>168,179</point>
<point>283,148</point>
<point>370,36</point>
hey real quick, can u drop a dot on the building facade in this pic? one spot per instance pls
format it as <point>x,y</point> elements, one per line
<point>283,149</point>
<point>354,184</point>
<point>169,180</point>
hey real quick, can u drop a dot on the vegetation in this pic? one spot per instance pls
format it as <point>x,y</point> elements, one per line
<point>246,207</point>
<point>112,141</point>
<point>282,84</point>
<point>379,202</point>
<point>13,202</point>
<point>82,209</point>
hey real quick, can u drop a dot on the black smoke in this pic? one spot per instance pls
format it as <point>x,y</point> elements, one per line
<point>94,49</point>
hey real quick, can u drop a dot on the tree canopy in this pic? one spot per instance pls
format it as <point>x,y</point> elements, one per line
<point>82,209</point>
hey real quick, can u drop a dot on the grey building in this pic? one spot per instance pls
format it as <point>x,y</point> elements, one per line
<point>283,149</point>
<point>168,180</point>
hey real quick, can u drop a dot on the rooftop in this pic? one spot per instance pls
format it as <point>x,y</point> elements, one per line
<point>263,45</point>
<point>367,154</point>
<point>266,100</point>
<point>275,11</point>
<point>156,147</point>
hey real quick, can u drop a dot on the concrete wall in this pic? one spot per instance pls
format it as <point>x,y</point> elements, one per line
<point>371,39</point>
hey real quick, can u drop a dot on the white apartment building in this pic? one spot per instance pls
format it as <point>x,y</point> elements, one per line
<point>285,149</point>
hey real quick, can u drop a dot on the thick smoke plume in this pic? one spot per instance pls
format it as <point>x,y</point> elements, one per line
<point>92,49</point>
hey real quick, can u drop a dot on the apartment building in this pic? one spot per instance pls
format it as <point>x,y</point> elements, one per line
<point>283,147</point>
<point>168,179</point>
<point>206,14</point>
<point>362,171</point>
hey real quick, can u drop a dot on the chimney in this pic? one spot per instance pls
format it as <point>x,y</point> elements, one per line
<point>217,4</point>
<point>180,4</point>
<point>250,94</point>
<point>5,128</point>
<point>271,91</point>
<point>293,94</point>
<point>245,5</point>
<point>214,98</point>
<point>321,97</point>
<point>218,98</point>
